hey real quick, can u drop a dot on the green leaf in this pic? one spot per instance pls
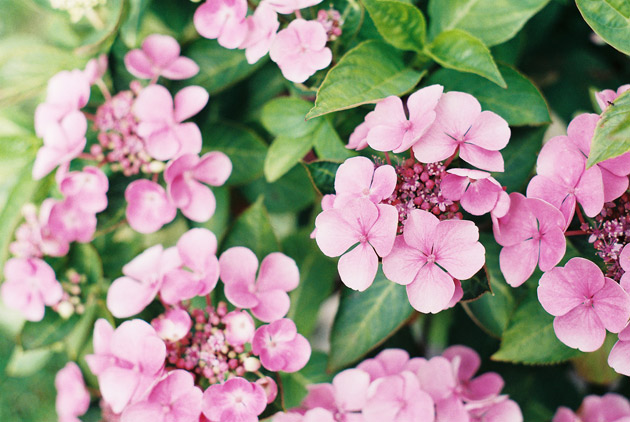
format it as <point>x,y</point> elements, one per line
<point>284,153</point>
<point>328,145</point>
<point>85,259</point>
<point>520,104</point>
<point>476,286</point>
<point>610,19</point>
<point>253,230</point>
<point>77,339</point>
<point>401,24</point>
<point>49,330</point>
<point>220,67</point>
<point>24,363</point>
<point>366,319</point>
<point>520,156</point>
<point>593,367</point>
<point>245,148</point>
<point>530,337</point>
<point>284,116</point>
<point>322,174</point>
<point>612,134</point>
<point>369,72</point>
<point>219,221</point>
<point>291,193</point>
<point>492,21</point>
<point>317,277</point>
<point>294,384</point>
<point>457,49</point>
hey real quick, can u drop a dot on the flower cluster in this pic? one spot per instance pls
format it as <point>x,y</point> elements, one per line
<point>392,387</point>
<point>610,407</point>
<point>299,49</point>
<point>408,215</point>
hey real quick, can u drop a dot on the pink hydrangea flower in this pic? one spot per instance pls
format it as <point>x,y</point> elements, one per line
<point>563,179</point>
<point>185,177</point>
<point>34,239</point>
<point>344,398</point>
<point>239,328</point>
<point>270,387</point>
<point>159,56</point>
<point>69,222</point>
<point>62,143</point>
<point>87,189</point>
<point>235,400</point>
<point>531,233</point>
<point>624,262</point>
<point>173,325</point>
<point>161,120</point>
<point>461,125</point>
<point>300,50</point>
<point>286,7</point>
<point>266,295</point>
<point>607,97</point>
<point>610,407</point>
<point>465,363</point>
<point>619,357</point>
<point>148,207</point>
<point>173,399</point>
<point>429,254</point>
<point>313,415</point>
<point>477,192</point>
<point>73,399</point>
<point>280,347</point>
<point>95,69</point>
<point>497,410</point>
<point>143,278</point>
<point>614,170</point>
<point>584,302</point>
<point>223,20</point>
<point>68,92</point>
<point>358,138</point>
<point>262,27</point>
<point>357,177</point>
<point>197,249</point>
<point>30,284</point>
<point>389,362</point>
<point>360,221</point>
<point>127,361</point>
<point>389,128</point>
<point>399,398</point>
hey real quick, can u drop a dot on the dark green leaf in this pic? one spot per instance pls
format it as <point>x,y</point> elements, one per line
<point>294,384</point>
<point>85,259</point>
<point>401,24</point>
<point>291,193</point>
<point>328,145</point>
<point>520,156</point>
<point>369,72</point>
<point>253,230</point>
<point>366,319</point>
<point>50,330</point>
<point>610,19</point>
<point>24,363</point>
<point>457,49</point>
<point>322,174</point>
<point>476,286</point>
<point>612,135</point>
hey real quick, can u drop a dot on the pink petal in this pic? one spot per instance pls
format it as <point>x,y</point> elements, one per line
<point>421,105</point>
<point>590,192</point>
<point>457,249</point>
<point>196,248</point>
<point>552,248</point>
<point>127,297</point>
<point>419,229</point>
<point>485,386</point>
<point>189,101</point>
<point>202,203</point>
<point>233,33</point>
<point>358,267</point>
<point>619,358</point>
<point>546,189</point>
<point>161,49</point>
<point>188,138</point>
<point>490,131</point>
<point>117,386</point>
<point>272,305</point>
<point>614,186</point>
<point>580,329</point>
<point>402,264</point>
<point>239,294</point>
<point>354,176</point>
<point>214,168</point>
<point>431,291</point>
<point>436,378</point>
<point>139,65</point>
<point>351,388</point>
<point>278,271</point>
<point>468,361</point>
<point>612,306</point>
<point>518,262</point>
<point>481,158</point>
<point>434,146</point>
<point>238,264</point>
<point>164,144</point>
<point>454,186</point>
<point>382,234</point>
<point>387,125</point>
<point>556,292</point>
<point>181,68</point>
<point>154,103</point>
<point>586,277</point>
<point>481,197</point>
<point>178,285</point>
<point>383,184</point>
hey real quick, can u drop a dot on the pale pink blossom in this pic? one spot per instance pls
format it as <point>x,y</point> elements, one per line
<point>624,262</point>
<point>358,138</point>
<point>69,222</point>
<point>266,295</point>
<point>317,414</point>
<point>34,239</point>
<point>607,97</point>
<point>281,347</point>
<point>270,387</point>
<point>95,68</point>
<point>466,362</point>
<point>461,125</point>
<point>372,227</point>
<point>173,325</point>
<point>389,362</point>
<point>237,400</point>
<point>185,178</point>
<point>531,233</point>
<point>261,31</point>
<point>128,361</point>
<point>619,357</point>
<point>161,120</point>
<point>610,407</point>
<point>143,278</point>
<point>86,189</point>
<point>398,398</point>
<point>476,190</point>
<point>300,50</point>
<point>358,177</point>
<point>30,285</point>
<point>148,207</point>
<point>500,409</point>
<point>389,127</point>
<point>239,328</point>
<point>223,20</point>
<point>159,56</point>
<point>286,7</point>
<point>63,142</point>
<point>584,302</point>
<point>73,399</point>
<point>344,398</point>
<point>563,180</point>
<point>429,255</point>
<point>173,399</point>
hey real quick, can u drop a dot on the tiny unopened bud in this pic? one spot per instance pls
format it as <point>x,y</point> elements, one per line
<point>251,364</point>
<point>65,309</point>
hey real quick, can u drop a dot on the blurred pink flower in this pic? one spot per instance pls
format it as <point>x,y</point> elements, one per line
<point>358,138</point>
<point>610,407</point>
<point>239,328</point>
<point>95,68</point>
<point>73,399</point>
<point>398,398</point>
<point>223,20</point>
<point>358,177</point>
<point>159,56</point>
<point>280,347</point>
<point>148,207</point>
<point>499,409</point>
<point>286,7</point>
<point>619,357</point>
<point>261,31</point>
<point>69,222</point>
<point>477,192</point>
<point>86,189</point>
<point>173,325</point>
<point>237,400</point>
<point>607,97</point>
<point>345,397</point>
<point>389,362</point>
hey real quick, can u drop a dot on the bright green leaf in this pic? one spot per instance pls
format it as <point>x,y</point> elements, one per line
<point>520,104</point>
<point>457,49</point>
<point>366,319</point>
<point>492,21</point>
<point>24,363</point>
<point>369,72</point>
<point>328,145</point>
<point>612,134</point>
<point>284,153</point>
<point>610,19</point>
<point>401,24</point>
<point>285,116</point>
